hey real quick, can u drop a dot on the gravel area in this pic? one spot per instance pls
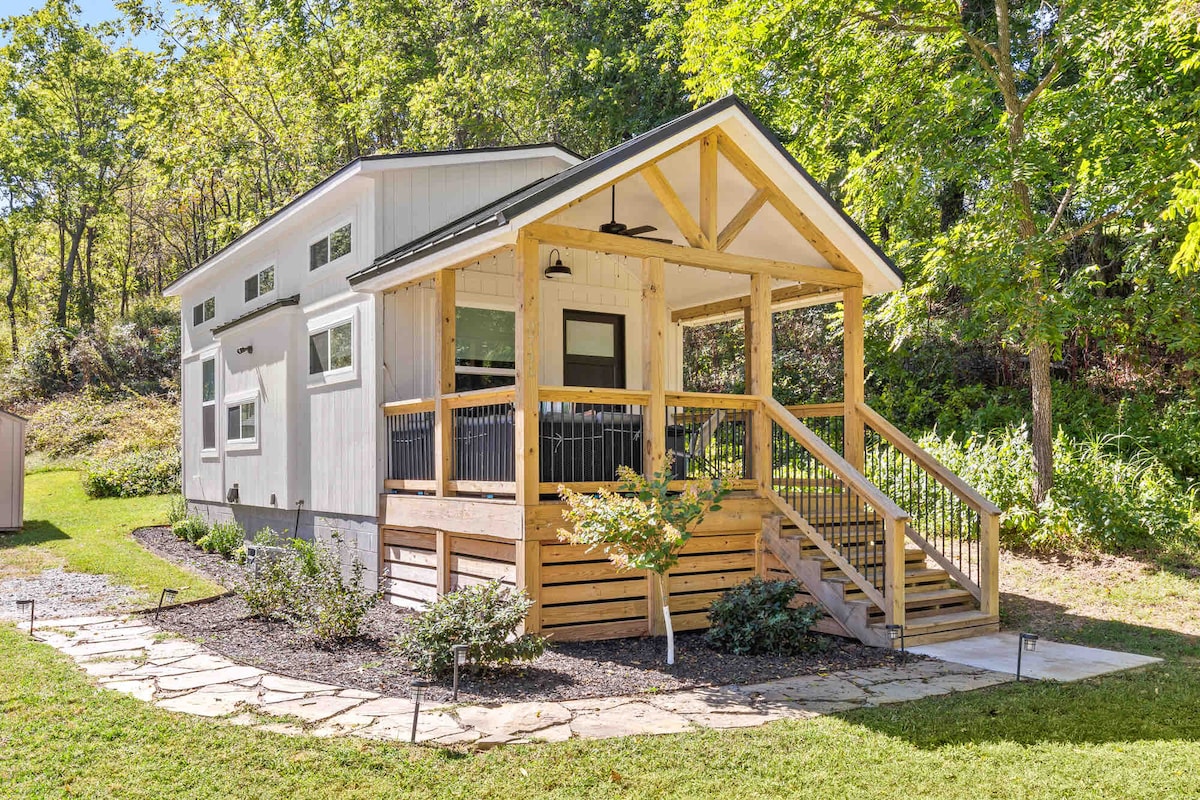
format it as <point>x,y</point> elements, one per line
<point>160,541</point>
<point>59,594</point>
<point>567,671</point>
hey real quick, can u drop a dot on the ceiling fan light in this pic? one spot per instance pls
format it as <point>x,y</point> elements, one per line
<point>557,269</point>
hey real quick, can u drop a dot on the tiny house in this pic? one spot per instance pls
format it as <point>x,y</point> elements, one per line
<point>12,471</point>
<point>422,349</point>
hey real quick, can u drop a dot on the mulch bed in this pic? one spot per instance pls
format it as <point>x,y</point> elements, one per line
<point>160,541</point>
<point>570,670</point>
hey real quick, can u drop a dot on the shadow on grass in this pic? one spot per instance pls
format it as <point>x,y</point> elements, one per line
<point>35,532</point>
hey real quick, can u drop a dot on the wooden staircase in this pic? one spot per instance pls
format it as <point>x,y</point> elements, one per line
<point>862,557</point>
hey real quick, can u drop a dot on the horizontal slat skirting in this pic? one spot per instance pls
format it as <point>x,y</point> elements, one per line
<point>409,555</point>
<point>593,612</point>
<point>587,571</point>
<point>483,568</point>
<point>482,548</point>
<point>719,543</point>
<point>717,562</point>
<point>598,630</point>
<point>458,580</point>
<point>591,592</point>
<point>411,591</point>
<point>410,574</point>
<point>707,581</point>
<point>406,538</point>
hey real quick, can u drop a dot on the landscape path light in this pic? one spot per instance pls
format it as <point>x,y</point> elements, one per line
<point>460,659</point>
<point>1025,642</point>
<point>26,604</point>
<point>167,596</point>
<point>895,632</point>
<point>419,685</point>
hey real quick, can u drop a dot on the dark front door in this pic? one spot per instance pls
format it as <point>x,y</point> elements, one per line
<point>593,349</point>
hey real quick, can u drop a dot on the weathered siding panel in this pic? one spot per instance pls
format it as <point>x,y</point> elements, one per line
<point>12,472</point>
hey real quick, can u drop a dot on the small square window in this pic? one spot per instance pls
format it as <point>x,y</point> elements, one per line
<point>339,243</point>
<point>203,312</point>
<point>260,283</point>
<point>331,349</point>
<point>318,254</point>
<point>241,422</point>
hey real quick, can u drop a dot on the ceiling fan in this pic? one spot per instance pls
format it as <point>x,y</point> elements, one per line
<point>621,229</point>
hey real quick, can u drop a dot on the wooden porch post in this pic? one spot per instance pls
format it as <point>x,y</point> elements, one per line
<point>444,346</point>
<point>758,357</point>
<point>525,405</point>
<point>853,384</point>
<point>654,335</point>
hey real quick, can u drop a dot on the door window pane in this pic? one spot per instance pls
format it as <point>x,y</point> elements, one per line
<point>585,338</point>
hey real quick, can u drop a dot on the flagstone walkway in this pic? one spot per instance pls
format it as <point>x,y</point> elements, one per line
<point>130,655</point>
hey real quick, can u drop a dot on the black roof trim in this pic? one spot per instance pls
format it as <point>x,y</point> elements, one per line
<point>505,209</point>
<point>285,302</point>
<point>374,157</point>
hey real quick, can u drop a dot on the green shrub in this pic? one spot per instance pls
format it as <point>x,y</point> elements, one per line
<point>756,617</point>
<point>484,617</point>
<point>333,606</point>
<point>225,538</point>
<point>302,582</point>
<point>178,509</point>
<point>190,529</point>
<point>133,474</point>
<point>1102,498</point>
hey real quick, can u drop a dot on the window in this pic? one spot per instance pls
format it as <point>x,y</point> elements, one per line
<point>329,248</point>
<point>208,403</point>
<point>331,349</point>
<point>485,353</point>
<point>260,283</point>
<point>241,422</point>
<point>203,312</point>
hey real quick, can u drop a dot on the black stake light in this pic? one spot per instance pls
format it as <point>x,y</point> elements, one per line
<point>895,632</point>
<point>1025,642</point>
<point>26,604</point>
<point>167,596</point>
<point>419,686</point>
<point>460,658</point>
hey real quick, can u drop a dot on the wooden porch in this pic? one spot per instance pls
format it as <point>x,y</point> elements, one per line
<point>878,532</point>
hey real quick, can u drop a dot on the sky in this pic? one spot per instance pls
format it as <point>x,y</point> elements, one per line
<point>92,11</point>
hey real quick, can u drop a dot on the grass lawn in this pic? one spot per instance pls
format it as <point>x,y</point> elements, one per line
<point>1130,735</point>
<point>67,528</point>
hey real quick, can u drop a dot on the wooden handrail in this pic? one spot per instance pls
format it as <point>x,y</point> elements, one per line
<point>711,400</point>
<point>414,406</point>
<point>586,394</point>
<point>839,466</point>
<point>817,410</point>
<point>926,461</point>
<point>480,397</point>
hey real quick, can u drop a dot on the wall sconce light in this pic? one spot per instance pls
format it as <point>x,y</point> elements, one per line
<point>247,349</point>
<point>167,596</point>
<point>26,604</point>
<point>556,268</point>
<point>1026,642</point>
<point>460,659</point>
<point>233,495</point>
<point>419,686</point>
<point>895,632</point>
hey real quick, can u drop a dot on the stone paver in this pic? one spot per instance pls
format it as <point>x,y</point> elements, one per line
<point>129,655</point>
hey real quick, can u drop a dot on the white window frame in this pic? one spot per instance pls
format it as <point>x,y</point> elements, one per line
<point>328,322</point>
<point>500,372</point>
<point>205,320</point>
<point>210,451</point>
<point>257,276</point>
<point>238,400</point>
<point>329,231</point>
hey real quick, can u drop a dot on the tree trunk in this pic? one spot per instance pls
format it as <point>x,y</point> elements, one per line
<point>10,298</point>
<point>68,275</point>
<point>1043,433</point>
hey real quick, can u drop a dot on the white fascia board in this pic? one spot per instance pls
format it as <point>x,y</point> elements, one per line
<point>457,157</point>
<point>282,217</point>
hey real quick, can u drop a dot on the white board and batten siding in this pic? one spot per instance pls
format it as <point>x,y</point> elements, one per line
<point>599,282</point>
<point>318,439</point>
<point>12,471</point>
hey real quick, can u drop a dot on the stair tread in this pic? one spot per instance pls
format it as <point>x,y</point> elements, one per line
<point>936,594</point>
<point>974,617</point>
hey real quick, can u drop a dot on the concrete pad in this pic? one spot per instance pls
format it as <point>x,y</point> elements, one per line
<point>1053,661</point>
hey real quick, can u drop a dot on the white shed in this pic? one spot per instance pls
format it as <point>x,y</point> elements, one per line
<point>12,470</point>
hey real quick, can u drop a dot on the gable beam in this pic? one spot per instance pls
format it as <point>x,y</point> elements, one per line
<point>741,219</point>
<point>688,256</point>
<point>669,198</point>
<point>708,188</point>
<point>720,308</point>
<point>789,210</point>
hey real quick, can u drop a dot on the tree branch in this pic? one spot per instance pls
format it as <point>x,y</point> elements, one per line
<point>1043,84</point>
<point>1062,207</point>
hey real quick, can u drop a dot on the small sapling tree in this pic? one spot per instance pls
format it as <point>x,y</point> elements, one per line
<point>643,525</point>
